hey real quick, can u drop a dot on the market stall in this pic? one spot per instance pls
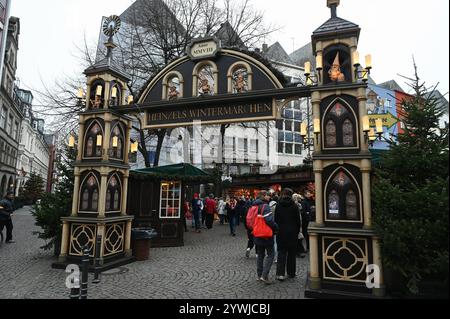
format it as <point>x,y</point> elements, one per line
<point>156,197</point>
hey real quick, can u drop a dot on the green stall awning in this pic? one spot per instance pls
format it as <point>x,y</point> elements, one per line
<point>181,172</point>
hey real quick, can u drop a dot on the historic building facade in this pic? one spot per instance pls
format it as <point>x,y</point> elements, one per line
<point>33,155</point>
<point>10,110</point>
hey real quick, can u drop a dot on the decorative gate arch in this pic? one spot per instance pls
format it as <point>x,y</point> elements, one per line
<point>217,86</point>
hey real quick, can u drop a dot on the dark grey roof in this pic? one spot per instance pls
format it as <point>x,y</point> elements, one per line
<point>229,37</point>
<point>441,101</point>
<point>391,85</point>
<point>305,53</point>
<point>333,28</point>
<point>276,53</point>
<point>335,24</point>
<point>107,65</point>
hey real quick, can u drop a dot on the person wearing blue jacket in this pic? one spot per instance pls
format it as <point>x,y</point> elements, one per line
<point>265,245</point>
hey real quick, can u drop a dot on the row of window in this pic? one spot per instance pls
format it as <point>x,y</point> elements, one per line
<point>93,141</point>
<point>90,193</point>
<point>8,155</point>
<point>9,124</point>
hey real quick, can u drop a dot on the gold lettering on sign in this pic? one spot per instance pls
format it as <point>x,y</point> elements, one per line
<point>215,113</point>
<point>203,49</point>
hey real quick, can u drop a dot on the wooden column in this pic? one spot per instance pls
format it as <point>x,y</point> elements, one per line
<point>314,261</point>
<point>76,192</point>
<point>64,242</point>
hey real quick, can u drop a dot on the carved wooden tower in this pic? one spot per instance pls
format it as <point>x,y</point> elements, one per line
<point>102,168</point>
<point>342,242</point>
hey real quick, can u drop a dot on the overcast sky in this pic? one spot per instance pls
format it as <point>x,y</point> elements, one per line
<point>392,31</point>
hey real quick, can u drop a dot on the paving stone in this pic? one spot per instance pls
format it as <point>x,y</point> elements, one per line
<point>212,264</point>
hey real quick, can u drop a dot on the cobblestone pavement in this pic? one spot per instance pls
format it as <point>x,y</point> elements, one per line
<point>211,265</point>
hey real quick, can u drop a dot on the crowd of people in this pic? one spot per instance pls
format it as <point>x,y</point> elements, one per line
<point>287,214</point>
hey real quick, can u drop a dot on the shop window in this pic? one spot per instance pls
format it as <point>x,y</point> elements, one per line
<point>89,194</point>
<point>170,202</point>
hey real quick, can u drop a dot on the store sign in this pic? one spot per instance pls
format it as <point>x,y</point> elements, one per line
<point>214,114</point>
<point>203,48</point>
<point>388,119</point>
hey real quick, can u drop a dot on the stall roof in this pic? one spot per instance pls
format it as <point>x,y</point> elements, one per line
<point>179,170</point>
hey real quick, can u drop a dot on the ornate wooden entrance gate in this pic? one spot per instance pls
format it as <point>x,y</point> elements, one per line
<point>219,86</point>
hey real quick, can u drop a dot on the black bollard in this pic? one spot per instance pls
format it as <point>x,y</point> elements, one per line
<point>84,273</point>
<point>75,293</point>
<point>98,247</point>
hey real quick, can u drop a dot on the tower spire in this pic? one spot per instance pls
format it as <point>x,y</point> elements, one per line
<point>333,4</point>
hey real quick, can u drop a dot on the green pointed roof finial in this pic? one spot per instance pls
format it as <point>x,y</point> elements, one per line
<point>333,4</point>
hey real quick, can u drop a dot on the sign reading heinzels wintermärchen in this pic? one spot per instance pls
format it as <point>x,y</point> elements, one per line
<point>213,85</point>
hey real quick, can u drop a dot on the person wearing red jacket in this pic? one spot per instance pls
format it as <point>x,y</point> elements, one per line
<point>211,209</point>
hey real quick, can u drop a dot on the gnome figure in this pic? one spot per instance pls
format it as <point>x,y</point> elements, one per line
<point>335,72</point>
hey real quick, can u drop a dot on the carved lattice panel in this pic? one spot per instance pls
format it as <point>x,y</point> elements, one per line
<point>114,239</point>
<point>344,259</point>
<point>82,235</point>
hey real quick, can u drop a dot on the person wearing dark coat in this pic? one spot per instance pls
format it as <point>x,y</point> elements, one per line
<point>308,215</point>
<point>287,217</point>
<point>6,210</point>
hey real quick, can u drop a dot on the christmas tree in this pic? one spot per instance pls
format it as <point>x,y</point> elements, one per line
<point>410,194</point>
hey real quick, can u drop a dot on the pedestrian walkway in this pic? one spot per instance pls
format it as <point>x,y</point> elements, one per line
<point>212,264</point>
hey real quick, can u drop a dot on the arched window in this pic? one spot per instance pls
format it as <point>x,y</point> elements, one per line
<point>173,86</point>
<point>240,78</point>
<point>340,126</point>
<point>118,137</point>
<point>89,193</point>
<point>97,95</point>
<point>352,205</point>
<point>330,129</point>
<point>343,202</point>
<point>206,83</point>
<point>113,194</point>
<point>115,94</point>
<point>347,130</point>
<point>91,149</point>
<point>205,79</point>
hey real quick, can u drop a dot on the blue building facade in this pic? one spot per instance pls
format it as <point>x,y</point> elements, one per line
<point>381,103</point>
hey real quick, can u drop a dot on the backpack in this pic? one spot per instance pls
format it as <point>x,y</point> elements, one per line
<point>251,215</point>
<point>261,229</point>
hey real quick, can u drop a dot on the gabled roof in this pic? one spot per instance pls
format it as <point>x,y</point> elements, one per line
<point>276,53</point>
<point>305,53</point>
<point>229,37</point>
<point>391,85</point>
<point>441,101</point>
